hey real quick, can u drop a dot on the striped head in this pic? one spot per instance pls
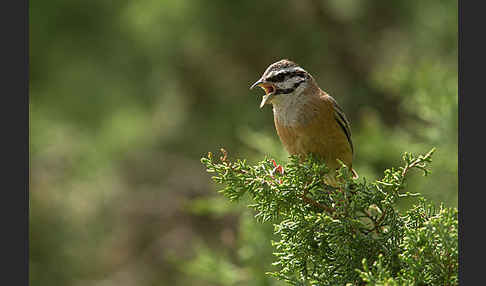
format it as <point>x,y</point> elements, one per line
<point>282,78</point>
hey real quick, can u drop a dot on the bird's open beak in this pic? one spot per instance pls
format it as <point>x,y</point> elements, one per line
<point>269,91</point>
<point>260,81</point>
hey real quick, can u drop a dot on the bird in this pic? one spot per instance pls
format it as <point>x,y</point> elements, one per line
<point>307,119</point>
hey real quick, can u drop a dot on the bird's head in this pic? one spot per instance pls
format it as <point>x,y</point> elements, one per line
<point>282,78</point>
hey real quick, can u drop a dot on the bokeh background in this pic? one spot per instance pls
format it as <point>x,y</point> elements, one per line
<point>127,96</point>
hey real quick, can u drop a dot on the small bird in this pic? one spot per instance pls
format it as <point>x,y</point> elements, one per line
<point>307,119</point>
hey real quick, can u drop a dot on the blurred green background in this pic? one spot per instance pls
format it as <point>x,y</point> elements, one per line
<point>127,96</point>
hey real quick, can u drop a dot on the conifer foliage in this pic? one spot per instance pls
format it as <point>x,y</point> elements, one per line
<point>350,234</point>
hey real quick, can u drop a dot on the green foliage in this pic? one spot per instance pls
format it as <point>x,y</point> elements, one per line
<point>430,247</point>
<point>429,250</point>
<point>125,96</point>
<point>329,235</point>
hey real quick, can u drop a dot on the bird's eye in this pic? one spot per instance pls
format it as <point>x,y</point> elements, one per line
<point>277,78</point>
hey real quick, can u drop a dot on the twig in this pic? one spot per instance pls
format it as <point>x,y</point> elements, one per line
<point>314,203</point>
<point>416,162</point>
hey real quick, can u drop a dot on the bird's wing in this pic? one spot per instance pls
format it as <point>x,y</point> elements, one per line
<point>342,121</point>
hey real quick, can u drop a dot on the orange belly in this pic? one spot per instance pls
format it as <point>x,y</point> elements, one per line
<point>321,136</point>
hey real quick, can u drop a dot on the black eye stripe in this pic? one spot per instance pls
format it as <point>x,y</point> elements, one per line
<point>281,76</point>
<point>277,78</point>
<point>289,90</point>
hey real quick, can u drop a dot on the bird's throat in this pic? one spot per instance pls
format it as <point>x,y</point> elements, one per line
<point>294,110</point>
